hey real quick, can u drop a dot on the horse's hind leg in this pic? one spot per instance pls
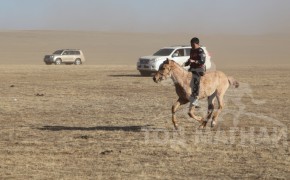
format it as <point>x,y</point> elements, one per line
<point>210,100</point>
<point>220,97</point>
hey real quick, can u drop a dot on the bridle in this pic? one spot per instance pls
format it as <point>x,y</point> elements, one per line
<point>169,70</point>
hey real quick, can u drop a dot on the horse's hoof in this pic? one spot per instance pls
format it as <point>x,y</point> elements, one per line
<point>203,125</point>
<point>213,123</point>
<point>201,120</point>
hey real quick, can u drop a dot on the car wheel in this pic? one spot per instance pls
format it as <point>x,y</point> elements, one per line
<point>58,62</point>
<point>78,62</point>
<point>145,73</point>
<point>48,63</point>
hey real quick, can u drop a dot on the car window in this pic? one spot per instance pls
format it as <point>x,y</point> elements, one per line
<point>187,51</point>
<point>65,53</point>
<point>70,52</point>
<point>163,52</point>
<point>58,52</point>
<point>77,53</point>
<point>180,52</point>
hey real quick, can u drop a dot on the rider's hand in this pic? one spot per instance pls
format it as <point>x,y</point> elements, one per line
<point>192,61</point>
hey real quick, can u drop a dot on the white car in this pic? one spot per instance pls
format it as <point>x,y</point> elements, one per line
<point>67,56</point>
<point>180,54</point>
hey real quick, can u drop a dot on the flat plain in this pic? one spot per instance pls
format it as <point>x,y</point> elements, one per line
<point>102,121</point>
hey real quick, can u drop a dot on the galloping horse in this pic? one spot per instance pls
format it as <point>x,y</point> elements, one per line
<point>213,85</point>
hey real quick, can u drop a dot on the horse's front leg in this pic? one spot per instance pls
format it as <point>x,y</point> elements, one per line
<point>198,118</point>
<point>192,115</point>
<point>175,106</point>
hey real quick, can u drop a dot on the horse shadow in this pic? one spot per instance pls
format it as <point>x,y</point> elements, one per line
<point>96,128</point>
<point>127,75</point>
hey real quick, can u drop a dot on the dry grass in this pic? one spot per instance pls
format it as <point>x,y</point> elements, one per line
<point>79,122</point>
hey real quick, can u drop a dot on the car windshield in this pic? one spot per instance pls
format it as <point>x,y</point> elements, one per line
<point>58,52</point>
<point>163,52</point>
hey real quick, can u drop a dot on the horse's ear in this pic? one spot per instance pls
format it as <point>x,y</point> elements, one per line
<point>167,61</point>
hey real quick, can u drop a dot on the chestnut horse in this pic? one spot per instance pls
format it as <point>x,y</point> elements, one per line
<point>213,85</point>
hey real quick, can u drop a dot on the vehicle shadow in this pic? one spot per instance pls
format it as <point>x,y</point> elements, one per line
<point>96,128</point>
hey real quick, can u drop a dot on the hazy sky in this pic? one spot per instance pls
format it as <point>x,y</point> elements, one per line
<point>201,16</point>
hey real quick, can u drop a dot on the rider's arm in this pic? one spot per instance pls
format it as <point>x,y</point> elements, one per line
<point>201,57</point>
<point>187,63</point>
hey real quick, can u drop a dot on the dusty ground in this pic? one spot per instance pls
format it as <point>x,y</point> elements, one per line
<point>78,122</point>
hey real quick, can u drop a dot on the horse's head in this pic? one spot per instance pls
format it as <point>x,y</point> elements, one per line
<point>164,71</point>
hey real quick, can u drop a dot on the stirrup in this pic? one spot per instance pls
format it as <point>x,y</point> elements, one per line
<point>193,101</point>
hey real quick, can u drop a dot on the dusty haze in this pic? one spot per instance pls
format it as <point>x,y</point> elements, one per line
<point>119,32</point>
<point>29,47</point>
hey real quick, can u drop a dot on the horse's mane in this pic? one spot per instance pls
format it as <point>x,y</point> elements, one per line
<point>176,65</point>
<point>173,63</point>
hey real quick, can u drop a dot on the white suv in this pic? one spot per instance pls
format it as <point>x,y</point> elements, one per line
<point>67,56</point>
<point>180,54</point>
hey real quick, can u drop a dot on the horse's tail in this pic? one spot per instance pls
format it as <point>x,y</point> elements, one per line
<point>233,82</point>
